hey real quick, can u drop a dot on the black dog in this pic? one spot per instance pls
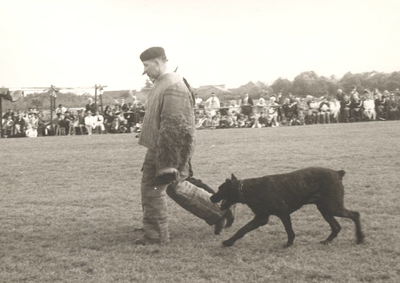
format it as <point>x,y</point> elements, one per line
<point>283,194</point>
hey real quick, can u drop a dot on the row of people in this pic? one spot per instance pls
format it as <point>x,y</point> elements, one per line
<point>302,111</point>
<point>82,122</point>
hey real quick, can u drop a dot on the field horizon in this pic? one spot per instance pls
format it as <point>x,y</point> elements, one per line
<point>69,207</point>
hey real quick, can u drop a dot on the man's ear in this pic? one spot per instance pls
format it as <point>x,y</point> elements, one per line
<point>233,177</point>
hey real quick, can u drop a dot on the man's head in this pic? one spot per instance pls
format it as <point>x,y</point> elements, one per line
<point>154,61</point>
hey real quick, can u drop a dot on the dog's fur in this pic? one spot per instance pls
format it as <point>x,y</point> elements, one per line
<point>283,194</point>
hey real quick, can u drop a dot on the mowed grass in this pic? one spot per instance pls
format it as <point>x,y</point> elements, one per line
<point>69,207</point>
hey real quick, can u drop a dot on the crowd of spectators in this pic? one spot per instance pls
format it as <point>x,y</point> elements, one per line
<point>271,111</point>
<point>120,118</point>
<point>278,110</point>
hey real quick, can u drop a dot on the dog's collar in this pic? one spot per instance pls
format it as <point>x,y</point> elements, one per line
<point>240,190</point>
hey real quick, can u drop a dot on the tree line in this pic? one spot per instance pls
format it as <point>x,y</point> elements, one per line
<point>306,83</point>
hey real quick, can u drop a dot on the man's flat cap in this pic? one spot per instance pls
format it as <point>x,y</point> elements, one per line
<point>151,53</point>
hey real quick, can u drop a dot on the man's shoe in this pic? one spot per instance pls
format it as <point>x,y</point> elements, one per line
<point>146,241</point>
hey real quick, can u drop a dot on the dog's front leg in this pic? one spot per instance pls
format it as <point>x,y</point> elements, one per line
<point>287,222</point>
<point>253,224</point>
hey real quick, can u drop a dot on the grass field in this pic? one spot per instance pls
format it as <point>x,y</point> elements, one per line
<point>69,206</point>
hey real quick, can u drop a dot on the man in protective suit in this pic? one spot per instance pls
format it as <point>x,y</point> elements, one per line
<point>168,132</point>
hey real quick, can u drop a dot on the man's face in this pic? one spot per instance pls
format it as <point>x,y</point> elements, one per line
<point>151,68</point>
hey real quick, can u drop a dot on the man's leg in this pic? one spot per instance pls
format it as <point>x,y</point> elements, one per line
<point>154,202</point>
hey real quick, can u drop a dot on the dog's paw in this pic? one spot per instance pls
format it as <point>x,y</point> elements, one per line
<point>288,245</point>
<point>227,243</point>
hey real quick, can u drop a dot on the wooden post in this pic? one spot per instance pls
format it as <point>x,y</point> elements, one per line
<point>95,97</point>
<point>51,111</point>
<point>101,98</point>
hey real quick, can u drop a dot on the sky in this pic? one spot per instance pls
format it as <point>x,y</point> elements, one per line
<point>79,43</point>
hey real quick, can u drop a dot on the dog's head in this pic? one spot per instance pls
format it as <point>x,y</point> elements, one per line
<point>227,193</point>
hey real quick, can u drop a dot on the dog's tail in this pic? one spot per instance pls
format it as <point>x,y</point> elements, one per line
<point>341,173</point>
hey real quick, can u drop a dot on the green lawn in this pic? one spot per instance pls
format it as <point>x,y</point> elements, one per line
<point>69,206</point>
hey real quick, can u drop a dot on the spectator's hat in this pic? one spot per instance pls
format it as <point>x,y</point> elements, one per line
<point>151,53</point>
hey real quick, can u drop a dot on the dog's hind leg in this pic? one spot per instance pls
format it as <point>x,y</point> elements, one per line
<point>287,222</point>
<point>256,222</point>
<point>335,226</point>
<point>355,216</point>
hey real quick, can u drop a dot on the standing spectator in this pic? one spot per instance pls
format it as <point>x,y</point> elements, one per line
<point>168,134</point>
<point>198,102</point>
<point>340,95</point>
<point>61,109</point>
<point>90,106</point>
<point>247,105</point>
<point>354,96</point>
<point>124,106</point>
<point>212,105</point>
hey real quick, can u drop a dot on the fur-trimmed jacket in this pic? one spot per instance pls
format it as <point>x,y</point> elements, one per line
<point>168,126</point>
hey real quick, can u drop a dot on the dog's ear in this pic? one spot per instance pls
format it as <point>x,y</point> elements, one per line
<point>233,178</point>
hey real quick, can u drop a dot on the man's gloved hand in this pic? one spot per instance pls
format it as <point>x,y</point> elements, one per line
<point>166,176</point>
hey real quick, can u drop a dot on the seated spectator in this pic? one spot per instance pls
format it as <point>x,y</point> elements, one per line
<point>356,109</point>
<point>369,107</point>
<point>302,110</point>
<point>114,127</point>
<point>70,122</point>
<point>43,122</point>
<point>289,110</point>
<point>79,123</point>
<point>241,122</point>
<point>334,107</point>
<point>379,106</point>
<point>20,124</point>
<point>262,121</point>
<point>31,130</point>
<point>324,111</point>
<point>393,107</point>
<point>273,109</point>
<point>124,127</point>
<point>90,122</point>
<point>8,126</point>
<point>99,122</point>
<point>62,122</point>
<point>313,106</point>
<point>345,109</point>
